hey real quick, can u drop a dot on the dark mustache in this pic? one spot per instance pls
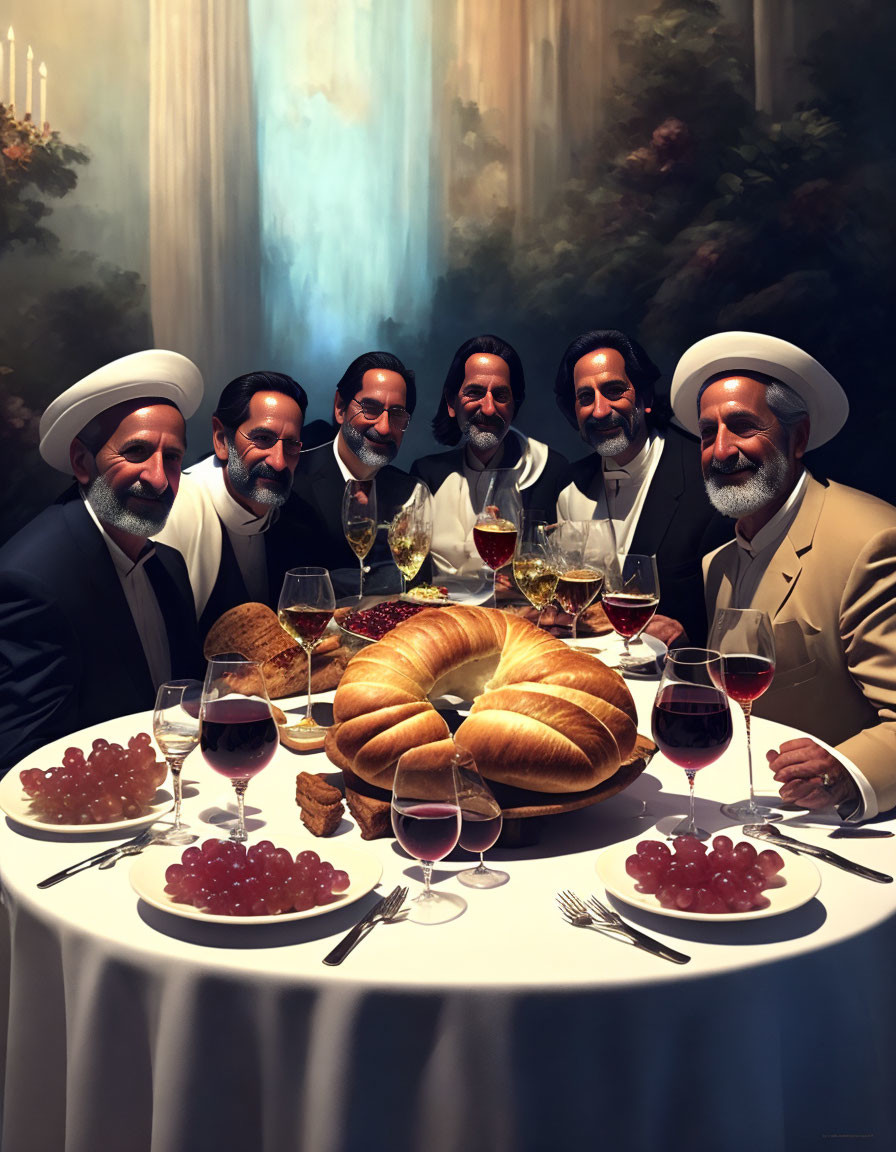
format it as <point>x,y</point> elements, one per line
<point>264,471</point>
<point>614,420</point>
<point>482,421</point>
<point>147,492</point>
<point>378,437</point>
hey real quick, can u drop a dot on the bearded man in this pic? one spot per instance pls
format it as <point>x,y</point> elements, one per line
<point>231,522</point>
<point>372,409</point>
<point>818,557</point>
<point>93,617</point>
<point>482,394</point>
<point>642,474</point>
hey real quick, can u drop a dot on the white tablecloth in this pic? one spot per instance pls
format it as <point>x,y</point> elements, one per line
<point>505,1030</point>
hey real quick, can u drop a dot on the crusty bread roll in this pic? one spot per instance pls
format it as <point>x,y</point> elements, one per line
<point>545,716</point>
<point>254,631</point>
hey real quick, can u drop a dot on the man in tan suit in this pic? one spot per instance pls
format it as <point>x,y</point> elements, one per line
<point>818,557</point>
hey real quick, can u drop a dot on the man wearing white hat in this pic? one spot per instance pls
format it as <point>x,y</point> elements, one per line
<point>92,616</point>
<point>818,557</point>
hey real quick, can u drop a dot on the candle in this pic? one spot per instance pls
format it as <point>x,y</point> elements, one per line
<point>11,37</point>
<point>29,80</point>
<point>43,93</point>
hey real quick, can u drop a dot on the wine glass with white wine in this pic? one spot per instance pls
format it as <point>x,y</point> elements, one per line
<point>534,564</point>
<point>359,521</point>
<point>410,532</point>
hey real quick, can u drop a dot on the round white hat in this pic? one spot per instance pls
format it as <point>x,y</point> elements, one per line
<point>745,351</point>
<point>153,373</point>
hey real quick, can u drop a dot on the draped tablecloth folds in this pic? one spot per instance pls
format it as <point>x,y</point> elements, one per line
<point>505,1030</point>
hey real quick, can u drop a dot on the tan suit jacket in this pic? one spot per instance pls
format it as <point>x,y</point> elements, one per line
<point>830,591</point>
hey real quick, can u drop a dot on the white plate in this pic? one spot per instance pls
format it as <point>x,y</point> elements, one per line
<point>610,647</point>
<point>16,803</point>
<point>803,881</point>
<point>364,870</point>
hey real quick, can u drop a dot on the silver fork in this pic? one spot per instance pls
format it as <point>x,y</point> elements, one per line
<point>388,909</point>
<point>579,916</point>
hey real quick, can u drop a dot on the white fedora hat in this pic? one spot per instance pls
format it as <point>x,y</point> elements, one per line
<point>154,373</point>
<point>752,351</point>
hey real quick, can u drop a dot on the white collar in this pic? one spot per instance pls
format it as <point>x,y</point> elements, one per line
<point>238,521</point>
<point>638,468</point>
<point>124,565</point>
<point>776,529</point>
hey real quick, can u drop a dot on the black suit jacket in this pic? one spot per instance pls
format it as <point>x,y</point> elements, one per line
<point>677,524</point>
<point>318,487</point>
<point>70,655</point>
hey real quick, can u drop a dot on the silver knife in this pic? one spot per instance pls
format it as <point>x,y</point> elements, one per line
<point>348,942</point>
<point>106,854</point>
<point>770,833</point>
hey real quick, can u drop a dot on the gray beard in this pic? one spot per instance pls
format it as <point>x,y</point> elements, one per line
<point>766,484</point>
<point>615,445</point>
<point>245,480</point>
<point>359,442</point>
<point>110,509</point>
<point>486,439</point>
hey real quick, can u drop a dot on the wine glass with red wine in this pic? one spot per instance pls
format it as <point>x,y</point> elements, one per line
<point>745,639</point>
<point>691,719</point>
<point>426,822</point>
<point>630,598</point>
<point>237,733</point>
<point>497,526</point>
<point>481,820</point>
<point>305,609</point>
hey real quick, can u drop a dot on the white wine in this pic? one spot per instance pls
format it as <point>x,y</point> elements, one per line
<point>536,579</point>
<point>409,550</point>
<point>360,535</point>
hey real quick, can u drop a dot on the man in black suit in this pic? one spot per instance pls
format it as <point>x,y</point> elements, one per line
<point>374,402</point>
<point>483,391</point>
<point>642,474</point>
<point>92,616</point>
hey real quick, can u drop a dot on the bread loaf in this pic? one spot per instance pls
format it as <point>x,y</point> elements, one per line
<point>545,717</point>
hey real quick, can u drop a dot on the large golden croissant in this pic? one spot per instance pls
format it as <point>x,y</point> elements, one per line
<point>545,716</point>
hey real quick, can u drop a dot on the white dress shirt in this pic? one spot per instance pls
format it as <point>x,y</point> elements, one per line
<point>141,598</point>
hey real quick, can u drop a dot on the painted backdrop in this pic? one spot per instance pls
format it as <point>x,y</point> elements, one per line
<point>286,183</point>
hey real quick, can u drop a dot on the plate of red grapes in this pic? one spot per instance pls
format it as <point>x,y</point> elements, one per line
<point>103,788</point>
<point>267,882</point>
<point>688,879</point>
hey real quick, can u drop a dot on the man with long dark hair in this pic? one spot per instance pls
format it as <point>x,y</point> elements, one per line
<point>642,474</point>
<point>483,391</point>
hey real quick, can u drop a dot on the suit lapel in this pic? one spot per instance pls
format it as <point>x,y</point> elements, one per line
<point>659,508</point>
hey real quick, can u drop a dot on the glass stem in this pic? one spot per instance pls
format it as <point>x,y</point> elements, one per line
<point>748,707</point>
<point>360,577</point>
<point>239,833</point>
<point>481,868</point>
<point>575,621</point>
<point>495,587</point>
<point>176,764</point>
<point>692,823</point>
<point>404,583</point>
<point>426,894</point>
<point>308,708</point>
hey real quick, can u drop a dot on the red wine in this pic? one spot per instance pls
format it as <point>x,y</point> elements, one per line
<point>496,542</point>
<point>629,612</point>
<point>691,724</point>
<point>577,588</point>
<point>427,831</point>
<point>745,678</point>
<point>479,832</point>
<point>306,625</point>
<point>237,736</point>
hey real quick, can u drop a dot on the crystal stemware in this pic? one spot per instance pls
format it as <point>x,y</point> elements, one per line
<point>581,548</point>
<point>481,820</point>
<point>691,720</point>
<point>359,521</point>
<point>305,608</point>
<point>237,732</point>
<point>410,532</point>
<point>497,525</point>
<point>426,822</point>
<point>534,564</point>
<point>630,598</point>
<point>175,726</point>
<point>745,639</point>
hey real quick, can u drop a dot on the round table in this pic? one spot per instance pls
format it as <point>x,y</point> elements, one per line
<point>506,1029</point>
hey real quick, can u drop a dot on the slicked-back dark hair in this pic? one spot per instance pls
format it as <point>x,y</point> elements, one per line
<point>233,403</point>
<point>353,377</point>
<point>639,368</point>
<point>445,428</point>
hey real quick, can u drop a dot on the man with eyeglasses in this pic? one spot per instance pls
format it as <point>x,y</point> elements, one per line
<point>372,408</point>
<point>483,391</point>
<point>230,522</point>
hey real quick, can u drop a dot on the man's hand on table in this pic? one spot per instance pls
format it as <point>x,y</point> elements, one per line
<point>802,767</point>
<point>668,630</point>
